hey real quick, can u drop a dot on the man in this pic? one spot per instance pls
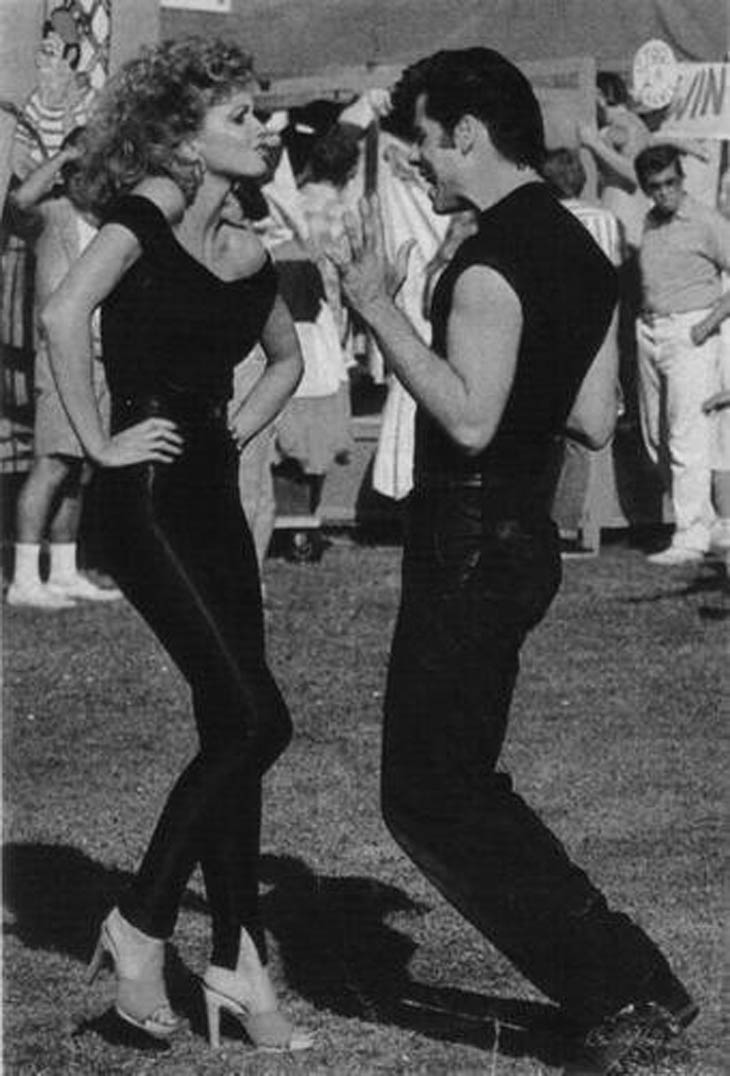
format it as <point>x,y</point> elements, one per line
<point>684,249</point>
<point>517,317</point>
<point>52,495</point>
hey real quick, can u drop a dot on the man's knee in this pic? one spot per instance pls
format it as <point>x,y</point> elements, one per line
<point>405,792</point>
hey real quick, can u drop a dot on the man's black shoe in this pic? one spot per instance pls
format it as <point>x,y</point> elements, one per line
<point>632,1039</point>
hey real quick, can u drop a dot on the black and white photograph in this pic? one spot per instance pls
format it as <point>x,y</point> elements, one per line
<point>365,505</point>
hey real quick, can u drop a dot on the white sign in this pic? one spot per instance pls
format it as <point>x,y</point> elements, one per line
<point>700,106</point>
<point>222,7</point>
<point>655,74</point>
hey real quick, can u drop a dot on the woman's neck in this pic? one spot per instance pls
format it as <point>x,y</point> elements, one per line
<point>202,218</point>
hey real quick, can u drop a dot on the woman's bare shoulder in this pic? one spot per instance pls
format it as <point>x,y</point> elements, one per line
<point>243,250</point>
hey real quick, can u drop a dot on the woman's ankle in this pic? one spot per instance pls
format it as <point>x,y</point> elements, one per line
<point>137,926</point>
<point>248,982</point>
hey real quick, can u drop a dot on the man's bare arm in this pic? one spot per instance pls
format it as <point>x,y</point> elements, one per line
<point>467,393</point>
<point>592,419</point>
<point>712,321</point>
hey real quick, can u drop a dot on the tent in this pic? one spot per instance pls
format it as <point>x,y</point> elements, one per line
<point>314,48</point>
<point>306,37</point>
<point>319,47</point>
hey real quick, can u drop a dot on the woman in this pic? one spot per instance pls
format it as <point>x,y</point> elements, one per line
<point>183,297</point>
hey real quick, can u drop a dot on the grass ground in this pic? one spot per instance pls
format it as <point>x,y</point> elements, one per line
<point>617,738</point>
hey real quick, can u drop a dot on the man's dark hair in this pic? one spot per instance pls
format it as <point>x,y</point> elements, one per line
<point>564,172</point>
<point>478,82</point>
<point>656,159</point>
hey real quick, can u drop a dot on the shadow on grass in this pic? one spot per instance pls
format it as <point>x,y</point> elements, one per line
<point>55,899</point>
<point>340,952</point>
<point>710,579</point>
<point>337,948</point>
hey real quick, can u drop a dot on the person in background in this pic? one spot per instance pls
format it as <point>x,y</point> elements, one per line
<point>614,140</point>
<point>61,100</point>
<point>245,209</point>
<point>519,316</point>
<point>717,406</point>
<point>256,457</point>
<point>313,432</point>
<point>55,109</point>
<point>563,170</point>
<point>183,297</point>
<point>685,249</point>
<point>52,495</point>
<point>408,217</point>
<point>331,166</point>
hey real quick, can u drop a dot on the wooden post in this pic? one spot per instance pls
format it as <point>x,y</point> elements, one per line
<point>371,158</point>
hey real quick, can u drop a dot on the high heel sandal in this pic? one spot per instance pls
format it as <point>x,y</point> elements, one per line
<point>267,1030</point>
<point>138,964</point>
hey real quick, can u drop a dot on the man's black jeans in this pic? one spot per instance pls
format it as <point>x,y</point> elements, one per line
<point>477,576</point>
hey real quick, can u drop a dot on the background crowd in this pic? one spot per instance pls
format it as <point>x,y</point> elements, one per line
<point>659,214</point>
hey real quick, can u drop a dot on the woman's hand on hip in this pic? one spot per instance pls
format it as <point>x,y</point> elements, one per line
<point>155,440</point>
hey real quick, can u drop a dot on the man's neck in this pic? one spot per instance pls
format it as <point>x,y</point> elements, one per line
<point>664,217</point>
<point>497,182</point>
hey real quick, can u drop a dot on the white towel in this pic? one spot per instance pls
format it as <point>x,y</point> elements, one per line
<point>407,214</point>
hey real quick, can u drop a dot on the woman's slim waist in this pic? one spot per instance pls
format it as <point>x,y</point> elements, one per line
<point>186,409</point>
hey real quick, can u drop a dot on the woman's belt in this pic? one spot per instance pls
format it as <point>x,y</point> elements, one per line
<point>186,408</point>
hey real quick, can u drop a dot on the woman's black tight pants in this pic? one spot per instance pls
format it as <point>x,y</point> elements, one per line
<point>180,549</point>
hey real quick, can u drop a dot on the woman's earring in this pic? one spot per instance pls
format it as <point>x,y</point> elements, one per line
<point>200,169</point>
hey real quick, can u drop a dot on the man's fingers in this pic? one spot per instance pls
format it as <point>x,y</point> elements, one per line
<point>372,223</point>
<point>402,259</point>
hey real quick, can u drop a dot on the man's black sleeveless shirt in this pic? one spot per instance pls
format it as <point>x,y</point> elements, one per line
<point>567,289</point>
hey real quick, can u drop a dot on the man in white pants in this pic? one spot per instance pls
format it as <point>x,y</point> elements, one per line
<point>685,247</point>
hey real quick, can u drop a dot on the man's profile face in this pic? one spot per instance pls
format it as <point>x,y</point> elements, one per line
<point>435,158</point>
<point>665,190</point>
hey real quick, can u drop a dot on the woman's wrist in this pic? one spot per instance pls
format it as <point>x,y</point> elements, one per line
<point>97,449</point>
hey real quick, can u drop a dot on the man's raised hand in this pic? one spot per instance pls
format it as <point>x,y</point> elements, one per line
<point>365,273</point>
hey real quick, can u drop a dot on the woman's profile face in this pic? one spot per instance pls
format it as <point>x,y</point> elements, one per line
<point>232,141</point>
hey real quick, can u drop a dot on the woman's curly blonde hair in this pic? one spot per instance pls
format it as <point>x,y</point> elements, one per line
<point>147,110</point>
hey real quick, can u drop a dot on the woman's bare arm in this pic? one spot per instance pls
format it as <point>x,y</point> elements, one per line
<point>280,378</point>
<point>66,321</point>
